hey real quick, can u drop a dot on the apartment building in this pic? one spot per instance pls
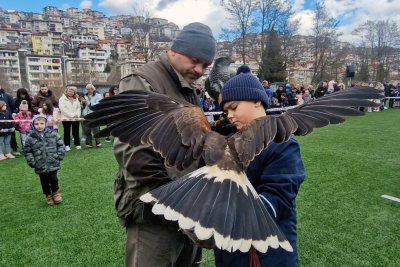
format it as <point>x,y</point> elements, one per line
<point>9,35</point>
<point>47,43</point>
<point>9,65</point>
<point>44,69</point>
<point>95,53</point>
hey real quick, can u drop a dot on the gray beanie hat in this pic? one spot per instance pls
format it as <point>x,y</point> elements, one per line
<point>244,87</point>
<point>195,40</point>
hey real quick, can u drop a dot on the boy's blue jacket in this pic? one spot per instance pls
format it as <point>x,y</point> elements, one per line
<point>276,174</point>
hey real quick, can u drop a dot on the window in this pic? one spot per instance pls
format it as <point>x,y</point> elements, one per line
<point>34,67</point>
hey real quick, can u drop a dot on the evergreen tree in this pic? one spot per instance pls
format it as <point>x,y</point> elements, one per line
<point>363,74</point>
<point>272,65</point>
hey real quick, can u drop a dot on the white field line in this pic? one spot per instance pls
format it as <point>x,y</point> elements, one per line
<point>391,198</point>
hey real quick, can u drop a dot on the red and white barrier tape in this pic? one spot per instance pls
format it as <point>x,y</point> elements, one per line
<point>74,119</point>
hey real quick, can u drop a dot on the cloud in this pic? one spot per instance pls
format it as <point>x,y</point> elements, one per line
<point>86,4</point>
<point>163,4</point>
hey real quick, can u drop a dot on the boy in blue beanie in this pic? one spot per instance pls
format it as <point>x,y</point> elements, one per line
<point>276,173</point>
<point>44,149</point>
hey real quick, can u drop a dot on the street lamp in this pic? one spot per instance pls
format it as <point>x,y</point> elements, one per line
<point>64,69</point>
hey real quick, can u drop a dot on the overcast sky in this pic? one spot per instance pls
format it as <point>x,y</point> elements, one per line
<point>350,13</point>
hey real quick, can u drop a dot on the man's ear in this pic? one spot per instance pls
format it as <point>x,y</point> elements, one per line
<point>257,104</point>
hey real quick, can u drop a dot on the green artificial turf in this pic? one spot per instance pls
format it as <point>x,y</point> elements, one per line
<point>342,218</point>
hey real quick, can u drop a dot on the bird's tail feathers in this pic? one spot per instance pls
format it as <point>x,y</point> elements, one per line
<point>218,204</point>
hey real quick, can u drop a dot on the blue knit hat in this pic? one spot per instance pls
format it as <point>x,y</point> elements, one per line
<point>243,69</point>
<point>195,40</point>
<point>244,87</point>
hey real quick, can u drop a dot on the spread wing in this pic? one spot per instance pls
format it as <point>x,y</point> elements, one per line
<point>301,120</point>
<point>175,128</point>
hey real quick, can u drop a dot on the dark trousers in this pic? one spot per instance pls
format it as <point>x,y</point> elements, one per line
<point>13,142</point>
<point>89,133</point>
<point>67,132</point>
<point>49,182</point>
<point>150,245</point>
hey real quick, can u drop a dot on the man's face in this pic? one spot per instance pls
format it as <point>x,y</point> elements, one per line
<point>190,68</point>
<point>44,89</point>
<point>241,113</point>
<point>40,124</point>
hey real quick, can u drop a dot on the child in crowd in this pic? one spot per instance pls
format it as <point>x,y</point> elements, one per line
<point>44,149</point>
<point>24,123</point>
<point>51,113</point>
<point>276,174</point>
<point>6,129</point>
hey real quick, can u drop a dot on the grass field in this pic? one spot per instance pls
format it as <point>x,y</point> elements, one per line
<point>342,218</point>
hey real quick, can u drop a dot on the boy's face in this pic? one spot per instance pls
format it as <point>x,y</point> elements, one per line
<point>241,113</point>
<point>40,124</point>
<point>3,108</point>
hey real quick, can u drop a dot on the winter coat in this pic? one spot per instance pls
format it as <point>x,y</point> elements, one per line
<point>39,99</point>
<point>276,174</point>
<point>44,153</point>
<point>6,126</point>
<point>69,108</point>
<point>6,97</point>
<point>141,169</point>
<point>26,125</point>
<point>92,101</point>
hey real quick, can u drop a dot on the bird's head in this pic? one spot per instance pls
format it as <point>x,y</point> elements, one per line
<point>223,61</point>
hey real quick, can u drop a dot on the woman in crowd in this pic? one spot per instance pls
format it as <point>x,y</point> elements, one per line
<point>70,109</point>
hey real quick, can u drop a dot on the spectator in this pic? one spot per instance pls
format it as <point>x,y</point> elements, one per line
<point>209,106</point>
<point>307,96</point>
<point>70,109</point>
<point>141,169</point>
<point>6,128</point>
<point>276,174</point>
<point>24,124</point>
<point>321,90</point>
<point>22,94</point>
<point>51,113</point>
<point>91,99</point>
<point>281,96</point>
<point>267,89</point>
<point>10,105</point>
<point>43,94</point>
<point>113,90</point>
<point>44,150</point>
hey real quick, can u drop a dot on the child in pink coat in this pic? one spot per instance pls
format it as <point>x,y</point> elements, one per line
<point>24,123</point>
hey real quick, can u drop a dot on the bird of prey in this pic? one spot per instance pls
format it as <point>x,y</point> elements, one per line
<point>216,202</point>
<point>219,75</point>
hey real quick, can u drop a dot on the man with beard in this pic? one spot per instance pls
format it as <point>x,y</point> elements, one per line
<point>43,94</point>
<point>151,240</point>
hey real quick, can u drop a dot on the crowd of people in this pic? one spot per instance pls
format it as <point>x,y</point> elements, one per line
<point>67,111</point>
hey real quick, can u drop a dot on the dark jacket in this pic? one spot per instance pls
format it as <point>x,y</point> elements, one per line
<point>276,174</point>
<point>44,153</point>
<point>141,169</point>
<point>39,99</point>
<point>7,126</point>
<point>18,101</point>
<point>6,97</point>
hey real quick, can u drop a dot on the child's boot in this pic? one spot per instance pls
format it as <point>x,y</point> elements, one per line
<point>49,200</point>
<point>57,197</point>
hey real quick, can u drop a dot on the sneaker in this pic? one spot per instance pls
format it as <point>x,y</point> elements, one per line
<point>16,153</point>
<point>57,197</point>
<point>67,148</point>
<point>2,157</point>
<point>10,156</point>
<point>49,200</point>
<point>78,147</point>
<point>83,139</point>
<point>98,145</point>
<point>108,139</point>
<point>89,146</point>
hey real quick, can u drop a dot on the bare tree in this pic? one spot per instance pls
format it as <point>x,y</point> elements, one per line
<point>241,17</point>
<point>378,44</point>
<point>325,35</point>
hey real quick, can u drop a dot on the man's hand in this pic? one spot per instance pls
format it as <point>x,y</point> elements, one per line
<point>208,244</point>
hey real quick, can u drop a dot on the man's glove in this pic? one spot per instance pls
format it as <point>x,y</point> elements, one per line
<point>208,244</point>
